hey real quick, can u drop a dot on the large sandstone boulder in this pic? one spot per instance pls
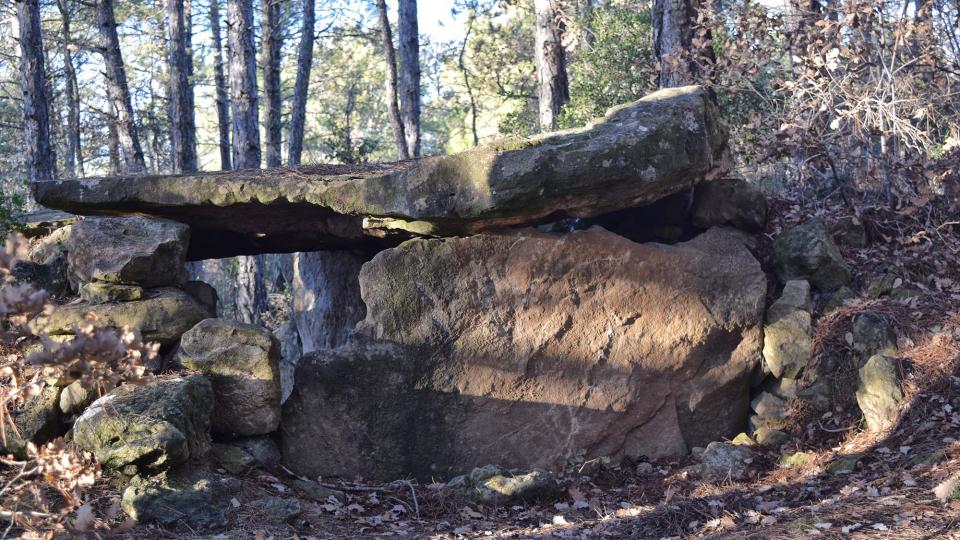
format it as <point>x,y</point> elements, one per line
<point>242,362</point>
<point>638,153</point>
<point>524,349</point>
<point>808,252</point>
<point>162,315</point>
<point>142,429</point>
<point>132,250</point>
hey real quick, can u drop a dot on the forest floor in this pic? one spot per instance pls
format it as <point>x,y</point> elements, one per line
<point>888,488</point>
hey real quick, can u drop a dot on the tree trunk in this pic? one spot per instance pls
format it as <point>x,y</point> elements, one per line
<point>272,47</point>
<point>74,156</point>
<point>471,15</point>
<point>251,292</point>
<point>386,37</point>
<point>554,88</point>
<point>117,88</point>
<point>183,131</point>
<point>298,114</point>
<point>33,81</point>
<point>673,34</point>
<point>113,140</point>
<point>220,82</point>
<point>410,74</point>
<point>326,302</point>
<point>243,85</point>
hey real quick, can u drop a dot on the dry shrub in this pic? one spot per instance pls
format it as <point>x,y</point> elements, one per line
<point>45,492</point>
<point>860,93</point>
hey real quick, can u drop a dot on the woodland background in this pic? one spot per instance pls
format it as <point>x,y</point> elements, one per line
<point>831,97</point>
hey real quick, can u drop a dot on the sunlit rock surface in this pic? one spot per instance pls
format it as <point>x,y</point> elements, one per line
<point>638,153</point>
<point>525,349</point>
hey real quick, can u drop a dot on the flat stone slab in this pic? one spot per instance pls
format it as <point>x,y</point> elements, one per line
<point>43,222</point>
<point>638,153</point>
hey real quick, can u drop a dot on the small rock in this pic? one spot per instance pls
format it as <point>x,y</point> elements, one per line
<point>873,335</point>
<point>808,252</point>
<point>819,394</point>
<point>263,450</point>
<point>797,459</point>
<point>768,405</point>
<point>784,388</point>
<point>729,201</point>
<point>756,422</point>
<point>131,250</point>
<point>192,499</point>
<point>37,420</point>
<point>879,393</point>
<point>277,508</point>
<point>844,464</point>
<point>723,461</point>
<point>74,398</point>
<point>838,299</point>
<point>242,362</point>
<point>743,439</point>
<point>101,293</point>
<point>796,294</point>
<point>143,429</point>
<point>233,458</point>
<point>770,437</point>
<point>787,339</point>
<point>849,231</point>
<point>51,276</point>
<point>203,293</point>
<point>318,492</point>
<point>492,485</point>
<point>883,285</point>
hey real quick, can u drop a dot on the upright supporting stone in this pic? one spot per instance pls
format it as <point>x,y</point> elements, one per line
<point>326,303</point>
<point>524,348</point>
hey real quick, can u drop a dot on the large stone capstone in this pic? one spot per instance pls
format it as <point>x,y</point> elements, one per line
<point>638,153</point>
<point>527,348</point>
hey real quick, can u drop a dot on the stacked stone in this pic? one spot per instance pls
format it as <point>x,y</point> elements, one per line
<point>131,272</point>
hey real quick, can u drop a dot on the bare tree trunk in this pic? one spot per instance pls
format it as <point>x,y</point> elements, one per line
<point>410,74</point>
<point>251,294</point>
<point>251,291</point>
<point>272,47</point>
<point>673,33</point>
<point>243,85</point>
<point>33,81</point>
<point>183,131</point>
<point>219,80</point>
<point>551,63</point>
<point>74,156</point>
<point>466,75</point>
<point>118,89</point>
<point>386,37</point>
<point>113,138</point>
<point>298,114</point>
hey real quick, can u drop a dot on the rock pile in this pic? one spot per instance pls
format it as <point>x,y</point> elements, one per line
<point>493,307</point>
